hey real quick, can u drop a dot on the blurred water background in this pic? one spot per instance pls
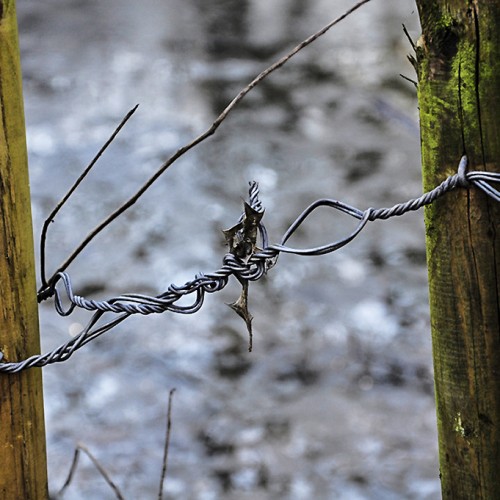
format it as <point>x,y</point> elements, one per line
<point>336,399</point>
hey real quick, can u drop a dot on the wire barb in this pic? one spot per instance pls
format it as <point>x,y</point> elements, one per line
<point>245,261</point>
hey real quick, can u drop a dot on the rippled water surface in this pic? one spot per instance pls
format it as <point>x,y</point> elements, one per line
<point>336,399</point>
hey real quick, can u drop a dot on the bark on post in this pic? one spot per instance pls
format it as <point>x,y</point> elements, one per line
<point>23,468</point>
<point>458,65</point>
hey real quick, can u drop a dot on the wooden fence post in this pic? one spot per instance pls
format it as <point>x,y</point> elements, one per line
<point>458,65</point>
<point>23,465</point>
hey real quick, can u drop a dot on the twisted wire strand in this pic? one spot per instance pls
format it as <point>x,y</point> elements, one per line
<point>251,270</point>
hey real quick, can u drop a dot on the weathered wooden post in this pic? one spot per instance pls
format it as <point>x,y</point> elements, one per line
<point>458,65</point>
<point>23,468</point>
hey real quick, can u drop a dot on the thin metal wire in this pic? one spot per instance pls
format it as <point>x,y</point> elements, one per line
<point>251,269</point>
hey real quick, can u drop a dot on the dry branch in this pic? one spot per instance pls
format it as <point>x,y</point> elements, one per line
<point>202,137</point>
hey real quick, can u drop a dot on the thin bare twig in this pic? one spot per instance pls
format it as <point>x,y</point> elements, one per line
<point>167,444</point>
<point>65,198</point>
<point>409,80</point>
<point>210,131</point>
<point>72,470</point>
<point>80,447</point>
<point>410,39</point>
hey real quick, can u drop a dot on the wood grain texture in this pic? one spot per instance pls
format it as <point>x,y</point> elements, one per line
<point>458,66</point>
<point>23,469</point>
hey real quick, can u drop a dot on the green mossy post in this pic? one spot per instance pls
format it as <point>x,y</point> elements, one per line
<point>458,66</point>
<point>23,467</point>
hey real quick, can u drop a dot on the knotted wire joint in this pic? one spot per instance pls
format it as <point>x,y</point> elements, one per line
<point>242,240</point>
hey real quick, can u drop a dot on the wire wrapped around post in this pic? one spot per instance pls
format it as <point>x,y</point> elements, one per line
<point>249,266</point>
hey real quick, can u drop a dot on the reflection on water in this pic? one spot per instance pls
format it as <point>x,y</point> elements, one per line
<point>341,361</point>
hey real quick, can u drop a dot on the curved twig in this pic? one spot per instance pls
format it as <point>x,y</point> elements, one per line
<point>65,198</point>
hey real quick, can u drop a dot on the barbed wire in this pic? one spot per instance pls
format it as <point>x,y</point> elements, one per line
<point>245,261</point>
